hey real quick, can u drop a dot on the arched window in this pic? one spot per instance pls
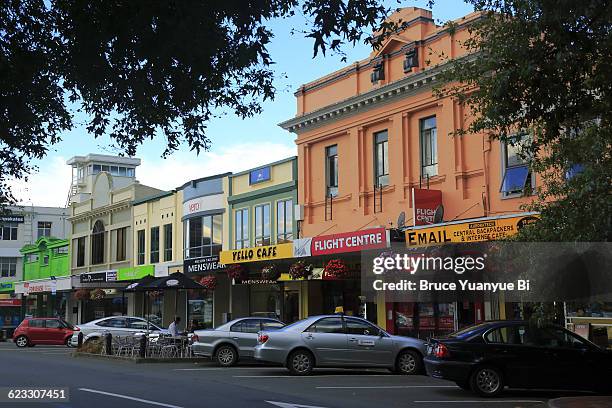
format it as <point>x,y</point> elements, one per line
<point>97,243</point>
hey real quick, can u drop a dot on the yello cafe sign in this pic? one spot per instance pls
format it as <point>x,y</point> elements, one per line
<point>344,242</point>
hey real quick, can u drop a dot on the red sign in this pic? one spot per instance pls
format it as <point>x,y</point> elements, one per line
<point>349,242</point>
<point>10,302</point>
<point>424,204</point>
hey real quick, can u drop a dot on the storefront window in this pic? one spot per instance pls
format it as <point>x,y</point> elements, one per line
<point>200,309</point>
<point>265,300</point>
<point>97,243</point>
<point>284,221</point>
<point>110,305</point>
<point>154,307</point>
<point>204,236</point>
<point>262,225</point>
<point>241,225</point>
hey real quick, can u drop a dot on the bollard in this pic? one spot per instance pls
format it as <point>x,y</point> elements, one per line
<point>108,342</point>
<point>80,340</point>
<point>143,347</point>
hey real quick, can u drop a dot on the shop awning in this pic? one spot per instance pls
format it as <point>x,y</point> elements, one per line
<point>173,281</point>
<point>140,286</point>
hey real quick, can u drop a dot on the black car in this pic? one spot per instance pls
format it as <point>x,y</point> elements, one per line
<point>489,356</point>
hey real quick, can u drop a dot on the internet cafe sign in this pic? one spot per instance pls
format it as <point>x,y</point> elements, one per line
<point>263,253</point>
<point>478,230</point>
<point>345,242</point>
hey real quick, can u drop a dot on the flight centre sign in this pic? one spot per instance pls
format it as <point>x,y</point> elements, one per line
<point>478,230</point>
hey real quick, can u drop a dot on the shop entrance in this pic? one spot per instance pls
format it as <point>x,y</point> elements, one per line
<point>291,306</point>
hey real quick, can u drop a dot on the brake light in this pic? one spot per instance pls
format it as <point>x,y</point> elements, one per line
<point>76,328</point>
<point>262,338</point>
<point>195,338</point>
<point>441,351</point>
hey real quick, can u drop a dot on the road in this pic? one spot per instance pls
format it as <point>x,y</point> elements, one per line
<point>118,384</point>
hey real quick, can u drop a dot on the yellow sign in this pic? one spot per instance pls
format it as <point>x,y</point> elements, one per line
<point>263,253</point>
<point>474,231</point>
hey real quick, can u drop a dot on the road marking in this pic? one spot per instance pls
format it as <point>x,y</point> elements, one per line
<point>477,401</point>
<point>290,405</point>
<point>218,368</point>
<point>313,376</point>
<point>144,401</point>
<point>388,386</point>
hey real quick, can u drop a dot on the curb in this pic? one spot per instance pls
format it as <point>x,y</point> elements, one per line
<point>139,360</point>
<point>581,402</point>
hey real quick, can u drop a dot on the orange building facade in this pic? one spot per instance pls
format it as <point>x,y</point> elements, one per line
<point>370,133</point>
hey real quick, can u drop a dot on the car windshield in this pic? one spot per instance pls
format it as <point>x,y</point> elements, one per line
<point>467,331</point>
<point>289,326</point>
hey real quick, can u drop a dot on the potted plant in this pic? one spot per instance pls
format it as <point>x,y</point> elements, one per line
<point>336,268</point>
<point>270,272</point>
<point>82,294</point>
<point>235,271</point>
<point>209,282</point>
<point>299,270</point>
<point>98,294</point>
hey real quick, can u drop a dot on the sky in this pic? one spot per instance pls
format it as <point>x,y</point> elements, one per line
<point>237,144</point>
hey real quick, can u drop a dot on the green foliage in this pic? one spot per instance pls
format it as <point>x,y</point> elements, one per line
<point>546,66</point>
<point>141,70</point>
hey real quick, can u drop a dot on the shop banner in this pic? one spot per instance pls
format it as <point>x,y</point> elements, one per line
<point>199,204</point>
<point>43,285</point>
<point>135,273</point>
<point>204,264</point>
<point>98,277</point>
<point>263,253</point>
<point>424,204</point>
<point>485,229</point>
<point>344,242</point>
<point>10,302</point>
<point>12,218</point>
<point>7,286</point>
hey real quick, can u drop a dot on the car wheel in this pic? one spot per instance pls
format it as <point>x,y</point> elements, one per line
<point>408,363</point>
<point>22,341</point>
<point>226,356</point>
<point>67,342</point>
<point>487,381</point>
<point>300,362</point>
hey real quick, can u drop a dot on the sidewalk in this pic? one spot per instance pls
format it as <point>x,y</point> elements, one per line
<point>581,402</point>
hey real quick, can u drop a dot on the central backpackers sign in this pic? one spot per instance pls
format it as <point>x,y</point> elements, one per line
<point>338,243</point>
<point>486,229</point>
<point>204,264</point>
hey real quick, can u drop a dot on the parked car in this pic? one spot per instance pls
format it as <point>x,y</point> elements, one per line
<point>489,356</point>
<point>232,341</point>
<point>115,325</point>
<point>42,330</point>
<point>339,341</point>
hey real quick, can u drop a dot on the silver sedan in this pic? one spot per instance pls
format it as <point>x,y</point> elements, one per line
<point>233,340</point>
<point>339,341</point>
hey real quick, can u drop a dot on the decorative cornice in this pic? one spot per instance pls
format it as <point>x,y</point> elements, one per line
<point>98,212</point>
<point>402,88</point>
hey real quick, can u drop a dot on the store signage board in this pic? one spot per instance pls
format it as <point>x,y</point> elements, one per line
<point>12,218</point>
<point>134,273</point>
<point>7,286</point>
<point>374,238</point>
<point>259,175</point>
<point>263,253</point>
<point>205,203</point>
<point>424,204</point>
<point>98,277</point>
<point>204,264</point>
<point>41,286</point>
<point>473,231</point>
<point>10,302</point>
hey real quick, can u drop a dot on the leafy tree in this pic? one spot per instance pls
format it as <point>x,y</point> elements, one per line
<point>144,69</point>
<point>546,66</point>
